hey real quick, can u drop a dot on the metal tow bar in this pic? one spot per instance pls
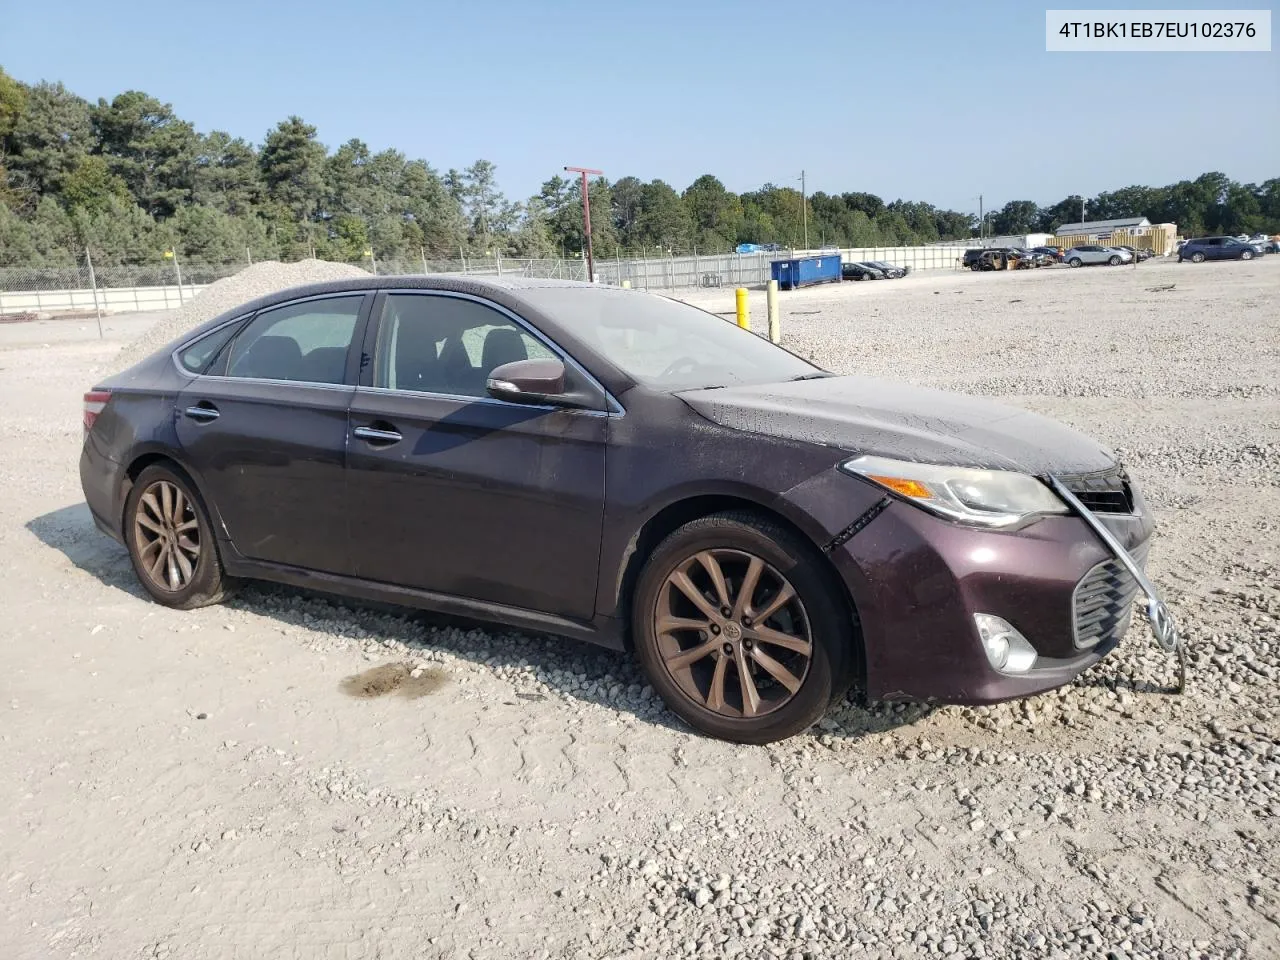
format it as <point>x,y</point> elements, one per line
<point>1163,626</point>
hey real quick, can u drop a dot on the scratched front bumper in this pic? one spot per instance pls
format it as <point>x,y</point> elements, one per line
<point>917,581</point>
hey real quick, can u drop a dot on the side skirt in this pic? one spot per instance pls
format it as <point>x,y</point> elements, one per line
<point>603,631</point>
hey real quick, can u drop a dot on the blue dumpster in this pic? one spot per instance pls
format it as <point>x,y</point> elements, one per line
<point>803,271</point>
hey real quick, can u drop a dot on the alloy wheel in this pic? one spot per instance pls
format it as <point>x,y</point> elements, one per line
<point>167,533</point>
<point>733,633</point>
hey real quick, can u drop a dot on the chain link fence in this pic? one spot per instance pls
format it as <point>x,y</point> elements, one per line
<point>166,285</point>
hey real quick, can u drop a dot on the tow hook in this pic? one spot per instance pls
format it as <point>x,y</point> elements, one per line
<point>1164,628</point>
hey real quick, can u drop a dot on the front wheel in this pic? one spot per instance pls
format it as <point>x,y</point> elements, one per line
<point>1076,262</point>
<point>1246,255</point>
<point>171,541</point>
<point>1197,258</point>
<point>736,625</point>
<point>1114,261</point>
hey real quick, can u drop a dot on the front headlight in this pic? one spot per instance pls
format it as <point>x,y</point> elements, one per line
<point>987,498</point>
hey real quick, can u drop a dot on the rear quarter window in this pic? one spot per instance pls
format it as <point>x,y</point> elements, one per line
<point>196,357</point>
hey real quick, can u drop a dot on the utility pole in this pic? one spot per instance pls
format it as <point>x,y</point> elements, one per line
<point>804,211</point>
<point>1082,208</point>
<point>982,223</point>
<point>586,217</point>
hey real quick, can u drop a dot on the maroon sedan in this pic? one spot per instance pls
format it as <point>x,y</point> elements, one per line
<point>626,469</point>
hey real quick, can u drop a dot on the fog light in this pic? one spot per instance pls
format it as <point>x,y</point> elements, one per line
<point>1006,648</point>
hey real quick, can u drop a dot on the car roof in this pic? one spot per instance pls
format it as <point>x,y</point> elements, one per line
<point>501,289</point>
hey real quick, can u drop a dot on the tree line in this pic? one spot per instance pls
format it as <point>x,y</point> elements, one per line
<point>128,180</point>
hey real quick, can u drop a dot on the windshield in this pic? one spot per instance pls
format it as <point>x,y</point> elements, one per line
<point>665,344</point>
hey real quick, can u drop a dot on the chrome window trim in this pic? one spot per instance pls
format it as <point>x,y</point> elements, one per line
<point>615,408</point>
<point>467,398</point>
<point>316,384</point>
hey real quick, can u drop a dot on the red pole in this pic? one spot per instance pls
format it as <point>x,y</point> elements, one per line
<point>586,217</point>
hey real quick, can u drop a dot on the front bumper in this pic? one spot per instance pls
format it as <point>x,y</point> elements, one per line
<point>917,580</point>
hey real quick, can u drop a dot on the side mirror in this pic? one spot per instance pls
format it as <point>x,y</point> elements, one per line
<point>527,381</point>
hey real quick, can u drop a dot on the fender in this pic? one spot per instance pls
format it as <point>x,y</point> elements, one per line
<point>618,560</point>
<point>158,449</point>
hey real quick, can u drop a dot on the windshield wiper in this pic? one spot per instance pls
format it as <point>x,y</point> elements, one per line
<point>809,376</point>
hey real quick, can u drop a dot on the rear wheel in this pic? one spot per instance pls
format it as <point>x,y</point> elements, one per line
<point>1197,258</point>
<point>171,542</point>
<point>735,624</point>
<point>1076,262</point>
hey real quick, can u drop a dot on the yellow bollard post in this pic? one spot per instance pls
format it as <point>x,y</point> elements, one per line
<point>744,310</point>
<point>626,284</point>
<point>775,328</point>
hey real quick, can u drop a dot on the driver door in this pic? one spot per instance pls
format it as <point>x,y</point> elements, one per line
<point>457,492</point>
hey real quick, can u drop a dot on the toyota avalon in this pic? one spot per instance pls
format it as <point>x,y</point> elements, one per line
<point>623,468</point>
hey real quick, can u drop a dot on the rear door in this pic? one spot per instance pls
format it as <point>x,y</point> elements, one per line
<point>267,429</point>
<point>456,492</point>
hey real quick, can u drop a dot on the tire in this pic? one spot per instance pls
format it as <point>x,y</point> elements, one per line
<point>189,580</point>
<point>1197,258</point>
<point>734,541</point>
<point>1246,254</point>
<point>1114,261</point>
<point>1076,262</point>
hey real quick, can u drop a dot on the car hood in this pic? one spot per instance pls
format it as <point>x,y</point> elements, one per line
<point>868,415</point>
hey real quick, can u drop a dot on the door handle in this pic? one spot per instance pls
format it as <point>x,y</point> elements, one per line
<point>376,436</point>
<point>203,412</point>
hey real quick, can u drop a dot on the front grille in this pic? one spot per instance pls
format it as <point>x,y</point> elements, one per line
<point>1103,601</point>
<point>1106,492</point>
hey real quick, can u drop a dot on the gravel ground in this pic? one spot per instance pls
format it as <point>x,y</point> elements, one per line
<point>214,784</point>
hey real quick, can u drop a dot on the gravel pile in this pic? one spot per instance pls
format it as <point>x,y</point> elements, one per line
<point>254,281</point>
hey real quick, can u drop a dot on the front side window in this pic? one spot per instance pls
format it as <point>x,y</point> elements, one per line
<point>446,345</point>
<point>305,341</point>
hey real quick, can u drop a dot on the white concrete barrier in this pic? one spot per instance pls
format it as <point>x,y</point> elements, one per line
<point>111,300</point>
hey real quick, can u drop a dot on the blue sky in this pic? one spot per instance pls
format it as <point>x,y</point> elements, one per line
<point>935,101</point>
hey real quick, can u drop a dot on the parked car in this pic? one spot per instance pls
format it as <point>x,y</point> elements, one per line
<point>1088,254</point>
<point>1053,253</point>
<point>854,270</point>
<point>1140,252</point>
<point>1217,248</point>
<point>625,469</point>
<point>890,270</point>
<point>1036,258</point>
<point>980,258</point>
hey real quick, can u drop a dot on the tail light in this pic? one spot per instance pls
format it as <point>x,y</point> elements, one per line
<point>94,401</point>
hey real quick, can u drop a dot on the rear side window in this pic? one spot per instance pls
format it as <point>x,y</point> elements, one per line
<point>447,345</point>
<point>196,357</point>
<point>305,342</point>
